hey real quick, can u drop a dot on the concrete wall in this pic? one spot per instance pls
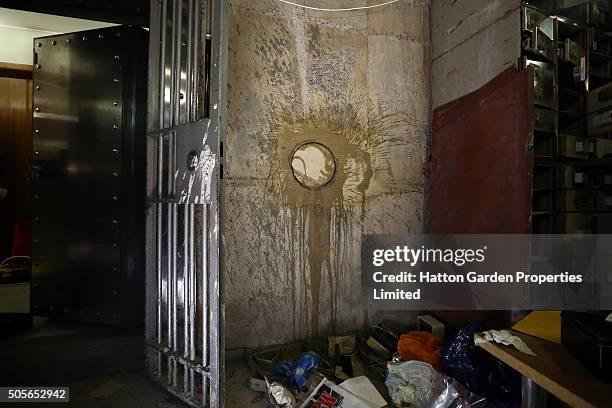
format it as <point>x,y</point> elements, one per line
<point>357,82</point>
<point>472,42</point>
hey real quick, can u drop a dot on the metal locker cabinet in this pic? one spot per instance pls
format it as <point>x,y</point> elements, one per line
<point>89,130</point>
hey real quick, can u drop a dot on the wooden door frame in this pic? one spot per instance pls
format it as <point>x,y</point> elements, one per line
<point>18,71</point>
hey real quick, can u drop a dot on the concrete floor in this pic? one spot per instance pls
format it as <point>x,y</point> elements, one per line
<point>123,390</point>
<point>238,394</point>
<point>102,366</point>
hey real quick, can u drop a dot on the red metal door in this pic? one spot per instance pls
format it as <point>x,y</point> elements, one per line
<point>481,167</point>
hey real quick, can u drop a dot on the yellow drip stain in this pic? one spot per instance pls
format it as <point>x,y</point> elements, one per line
<point>360,140</point>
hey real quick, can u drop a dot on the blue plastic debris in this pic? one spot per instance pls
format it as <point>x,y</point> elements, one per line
<point>294,375</point>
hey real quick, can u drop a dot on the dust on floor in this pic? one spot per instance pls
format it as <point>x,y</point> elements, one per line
<point>237,392</point>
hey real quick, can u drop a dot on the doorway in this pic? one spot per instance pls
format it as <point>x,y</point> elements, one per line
<point>15,220</point>
<point>72,117</point>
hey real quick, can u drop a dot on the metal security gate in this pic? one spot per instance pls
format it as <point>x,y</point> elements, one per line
<point>184,307</point>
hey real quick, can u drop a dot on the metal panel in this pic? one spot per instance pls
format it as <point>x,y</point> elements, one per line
<point>184,313</point>
<point>481,159</point>
<point>88,166</point>
<point>481,169</point>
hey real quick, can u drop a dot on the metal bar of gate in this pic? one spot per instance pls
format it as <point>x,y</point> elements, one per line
<point>192,298</point>
<point>184,323</point>
<point>205,336</point>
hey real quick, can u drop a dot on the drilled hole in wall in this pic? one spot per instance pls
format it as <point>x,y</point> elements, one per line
<point>313,165</point>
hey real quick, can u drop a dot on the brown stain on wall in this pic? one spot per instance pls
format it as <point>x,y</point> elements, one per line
<point>360,140</point>
<point>295,76</point>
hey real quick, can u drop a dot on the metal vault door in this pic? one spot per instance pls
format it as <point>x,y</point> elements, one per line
<point>184,306</point>
<point>89,117</point>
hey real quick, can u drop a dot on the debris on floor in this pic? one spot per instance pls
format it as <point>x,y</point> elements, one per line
<point>422,346</point>
<point>383,340</point>
<point>281,396</point>
<point>479,372</point>
<point>294,375</point>
<point>417,384</point>
<point>363,388</point>
<point>328,394</point>
<point>383,367</point>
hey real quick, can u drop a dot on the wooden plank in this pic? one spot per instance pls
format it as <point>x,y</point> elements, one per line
<point>556,370</point>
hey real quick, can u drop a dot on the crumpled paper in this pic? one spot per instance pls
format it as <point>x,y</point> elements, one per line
<point>504,337</point>
<point>362,387</point>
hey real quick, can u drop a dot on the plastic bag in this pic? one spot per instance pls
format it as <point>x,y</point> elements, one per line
<point>306,364</point>
<point>422,346</point>
<point>480,372</point>
<point>418,384</point>
<point>282,374</point>
<point>469,399</point>
<point>294,375</point>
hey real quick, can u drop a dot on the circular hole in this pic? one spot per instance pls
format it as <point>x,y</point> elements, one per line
<point>313,165</point>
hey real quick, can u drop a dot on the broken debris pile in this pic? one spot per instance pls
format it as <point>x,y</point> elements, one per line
<point>385,368</point>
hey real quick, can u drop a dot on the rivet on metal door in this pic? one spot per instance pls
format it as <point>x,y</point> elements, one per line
<point>184,306</point>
